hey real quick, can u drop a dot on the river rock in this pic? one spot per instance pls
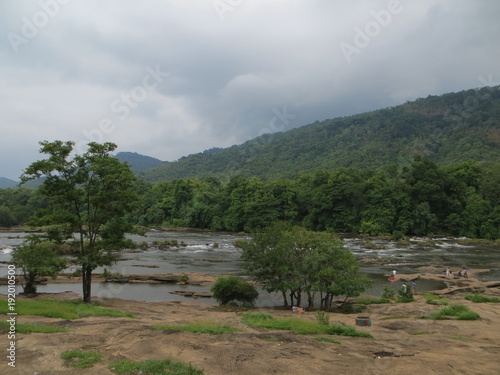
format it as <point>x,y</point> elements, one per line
<point>186,293</point>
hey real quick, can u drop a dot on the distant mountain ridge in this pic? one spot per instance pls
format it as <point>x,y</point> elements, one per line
<point>137,161</point>
<point>448,129</point>
<point>6,183</point>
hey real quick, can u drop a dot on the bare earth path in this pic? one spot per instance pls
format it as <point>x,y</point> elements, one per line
<point>445,347</point>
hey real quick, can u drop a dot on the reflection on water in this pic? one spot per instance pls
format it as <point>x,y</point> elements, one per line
<point>215,253</point>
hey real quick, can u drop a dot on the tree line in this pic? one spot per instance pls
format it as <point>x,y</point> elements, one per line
<point>420,199</point>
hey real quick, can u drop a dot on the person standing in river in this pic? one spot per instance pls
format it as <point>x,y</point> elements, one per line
<point>414,287</point>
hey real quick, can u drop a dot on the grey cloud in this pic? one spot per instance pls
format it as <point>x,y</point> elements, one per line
<point>227,77</point>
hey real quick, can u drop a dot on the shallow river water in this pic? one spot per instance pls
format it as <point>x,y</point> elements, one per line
<point>215,253</point>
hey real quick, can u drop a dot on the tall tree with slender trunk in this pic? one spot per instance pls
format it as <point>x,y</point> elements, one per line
<point>89,195</point>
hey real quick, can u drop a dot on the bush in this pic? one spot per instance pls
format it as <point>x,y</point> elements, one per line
<point>405,295</point>
<point>229,289</point>
<point>322,317</point>
<point>350,308</point>
<point>388,294</point>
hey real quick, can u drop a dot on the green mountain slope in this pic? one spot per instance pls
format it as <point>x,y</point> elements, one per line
<point>448,129</point>
<point>137,161</point>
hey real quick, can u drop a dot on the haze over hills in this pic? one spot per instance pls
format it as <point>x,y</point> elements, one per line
<point>6,183</point>
<point>450,128</point>
<point>137,161</point>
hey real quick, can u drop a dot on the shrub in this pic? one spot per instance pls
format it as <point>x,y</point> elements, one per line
<point>322,317</point>
<point>388,294</point>
<point>405,295</point>
<point>229,289</point>
<point>350,308</point>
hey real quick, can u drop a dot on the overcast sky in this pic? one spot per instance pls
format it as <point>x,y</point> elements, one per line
<point>168,78</point>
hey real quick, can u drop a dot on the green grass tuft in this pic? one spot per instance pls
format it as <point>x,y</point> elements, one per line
<point>299,326</point>
<point>461,338</point>
<point>433,299</point>
<point>210,328</point>
<point>457,311</point>
<point>480,298</point>
<point>34,328</point>
<point>154,367</point>
<point>62,309</point>
<point>81,359</point>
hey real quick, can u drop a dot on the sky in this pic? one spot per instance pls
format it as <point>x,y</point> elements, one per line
<point>169,78</point>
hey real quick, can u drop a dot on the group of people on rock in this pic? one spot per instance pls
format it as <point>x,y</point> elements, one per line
<point>462,273</point>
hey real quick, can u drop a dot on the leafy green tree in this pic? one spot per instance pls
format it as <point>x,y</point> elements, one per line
<point>229,289</point>
<point>6,217</point>
<point>89,195</point>
<point>293,261</point>
<point>36,258</point>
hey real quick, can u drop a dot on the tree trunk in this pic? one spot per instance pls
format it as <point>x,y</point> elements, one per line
<point>310,299</point>
<point>30,287</point>
<point>284,298</point>
<point>86,283</point>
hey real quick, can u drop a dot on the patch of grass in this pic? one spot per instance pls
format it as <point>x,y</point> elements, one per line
<point>461,338</point>
<point>299,326</point>
<point>419,332</point>
<point>480,298</point>
<point>457,311</point>
<point>34,328</point>
<point>81,359</point>
<point>370,300</point>
<point>154,367</point>
<point>326,339</point>
<point>62,309</point>
<point>433,299</point>
<point>211,328</point>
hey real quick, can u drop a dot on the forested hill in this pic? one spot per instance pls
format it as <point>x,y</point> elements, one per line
<point>137,161</point>
<point>448,129</point>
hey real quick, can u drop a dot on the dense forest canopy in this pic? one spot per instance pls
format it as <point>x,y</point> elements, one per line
<point>420,199</point>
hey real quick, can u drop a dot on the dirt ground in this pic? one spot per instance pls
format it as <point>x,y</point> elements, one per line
<point>446,347</point>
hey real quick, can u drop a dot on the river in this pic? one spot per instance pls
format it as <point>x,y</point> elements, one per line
<point>209,252</point>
